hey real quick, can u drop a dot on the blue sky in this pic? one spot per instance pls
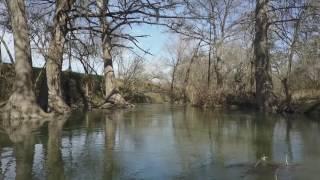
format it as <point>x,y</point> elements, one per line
<point>155,42</point>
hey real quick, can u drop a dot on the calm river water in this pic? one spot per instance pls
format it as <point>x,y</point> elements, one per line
<point>161,142</point>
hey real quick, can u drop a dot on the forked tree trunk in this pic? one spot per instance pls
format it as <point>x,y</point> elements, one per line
<point>22,102</point>
<point>264,84</point>
<point>56,102</point>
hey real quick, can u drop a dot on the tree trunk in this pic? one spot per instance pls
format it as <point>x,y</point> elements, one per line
<point>108,65</point>
<point>209,58</point>
<point>0,55</point>
<point>286,80</point>
<point>251,76</point>
<point>112,95</point>
<point>172,82</point>
<point>218,44</point>
<point>22,102</point>
<point>264,84</point>
<point>219,79</point>
<point>88,105</point>
<point>106,50</point>
<point>56,102</point>
<point>70,57</point>
<point>186,79</point>
<point>0,64</point>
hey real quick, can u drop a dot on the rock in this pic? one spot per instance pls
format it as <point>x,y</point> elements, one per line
<point>106,106</point>
<point>117,99</point>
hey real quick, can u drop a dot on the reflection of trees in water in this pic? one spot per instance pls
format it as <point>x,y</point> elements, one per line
<point>111,170</point>
<point>111,123</point>
<point>181,132</point>
<point>230,136</point>
<point>20,133</point>
<point>219,139</point>
<point>198,137</point>
<point>54,157</point>
<point>310,133</point>
<point>288,121</point>
<point>186,123</point>
<point>193,138</point>
<point>83,145</point>
<point>1,173</point>
<point>139,119</point>
<point>6,154</point>
<point>263,128</point>
<point>24,152</point>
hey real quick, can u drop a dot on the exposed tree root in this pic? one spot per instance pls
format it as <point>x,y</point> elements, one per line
<point>57,105</point>
<point>16,112</point>
<point>18,107</point>
<point>114,100</point>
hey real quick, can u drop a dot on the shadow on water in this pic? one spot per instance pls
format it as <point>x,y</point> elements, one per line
<point>161,142</point>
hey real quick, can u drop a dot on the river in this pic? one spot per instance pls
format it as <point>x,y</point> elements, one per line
<point>161,142</point>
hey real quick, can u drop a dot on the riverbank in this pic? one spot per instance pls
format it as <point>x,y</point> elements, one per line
<point>82,90</point>
<point>85,91</point>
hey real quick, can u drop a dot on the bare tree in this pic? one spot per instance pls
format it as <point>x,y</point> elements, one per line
<point>56,102</point>
<point>262,61</point>
<point>187,76</point>
<point>106,49</point>
<point>177,53</point>
<point>22,101</point>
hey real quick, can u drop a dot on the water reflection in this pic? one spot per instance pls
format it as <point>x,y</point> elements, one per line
<point>160,142</point>
<point>20,134</point>
<point>110,130</point>
<point>54,155</point>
